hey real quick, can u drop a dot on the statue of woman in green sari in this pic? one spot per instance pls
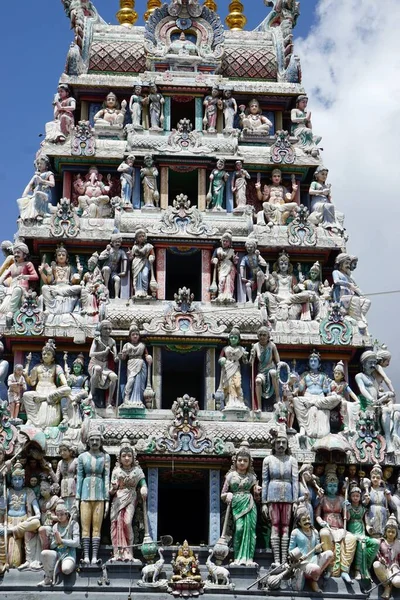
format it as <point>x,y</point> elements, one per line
<point>240,488</point>
<point>367,547</point>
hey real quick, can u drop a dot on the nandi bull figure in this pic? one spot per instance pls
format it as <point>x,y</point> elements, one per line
<point>219,576</point>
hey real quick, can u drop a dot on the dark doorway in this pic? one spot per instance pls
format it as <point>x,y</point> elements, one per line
<point>183,505</point>
<point>183,269</point>
<point>182,107</point>
<point>183,182</point>
<point>182,374</point>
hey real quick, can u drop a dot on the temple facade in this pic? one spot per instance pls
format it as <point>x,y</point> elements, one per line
<point>191,399</point>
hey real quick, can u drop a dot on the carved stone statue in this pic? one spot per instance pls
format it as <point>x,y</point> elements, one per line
<point>143,257</point>
<point>212,105</point>
<point>64,104</point>
<point>229,109</point>
<point>93,194</point>
<point>136,107</point>
<point>346,291</point>
<point>149,174</point>
<point>216,191</point>
<point>155,101</point>
<point>251,269</point>
<point>182,46</point>
<point>127,178</point>
<point>349,405</point>
<point>95,295</point>
<point>302,128</point>
<point>265,358</point>
<point>225,260</point>
<point>387,565</point>
<point>253,121</point>
<point>322,210</point>
<point>114,264</point>
<point>280,490</point>
<point>78,381</point>
<point>66,474</point>
<point>367,547</point>
<point>92,492</point>
<point>16,389</point>
<point>112,114</point>
<point>135,352</point>
<point>101,376</point>
<point>278,203</point>
<point>186,572</point>
<point>231,378</point>
<point>15,281</point>
<point>34,206</point>
<point>239,187</point>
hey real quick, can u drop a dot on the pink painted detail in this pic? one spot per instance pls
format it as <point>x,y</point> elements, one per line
<point>205,275</point>
<point>160,276</point>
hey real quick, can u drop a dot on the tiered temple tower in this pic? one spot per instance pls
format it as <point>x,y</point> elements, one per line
<point>180,201</point>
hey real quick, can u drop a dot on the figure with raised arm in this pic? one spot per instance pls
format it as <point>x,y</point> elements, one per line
<point>278,202</point>
<point>114,264</point>
<point>93,194</point>
<point>212,105</point>
<point>60,129</point>
<point>35,203</point>
<point>251,269</point>
<point>264,354</point>
<point>66,473</point>
<point>101,376</point>
<point>61,290</point>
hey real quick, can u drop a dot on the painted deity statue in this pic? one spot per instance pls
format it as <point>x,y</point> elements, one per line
<point>225,260</point>
<point>251,269</point>
<point>322,210</point>
<point>66,474</point>
<point>78,381</point>
<point>314,400</point>
<point>64,541</point>
<point>58,130</point>
<point>186,565</point>
<point>49,387</point>
<point>6,247</point>
<point>330,517</point>
<point>114,264</point>
<point>155,101</point>
<point>112,114</point>
<point>309,489</point>
<point>94,295</point>
<point>16,388</point>
<point>93,194</point>
<point>47,504</point>
<point>212,105</point>
<point>349,405</point>
<point>346,291</point>
<point>92,493</point>
<point>16,280</point>
<point>384,357</point>
<point>35,203</point>
<point>377,499</point>
<point>216,191</point>
<point>394,500</point>
<point>229,109</point>
<point>253,121</point>
<point>302,128</point>
<point>23,522</point>
<point>367,547</point>
<point>230,361</point>
<point>278,202</point>
<point>239,186</point>
<point>280,490</point>
<point>143,257</point>
<point>136,107</point>
<point>284,298</point>
<point>101,376</point>
<point>264,354</point>
<point>374,398</point>
<point>138,362</point>
<point>126,478</point>
<point>387,564</point>
<point>148,175</point>
<point>304,537</point>
<point>127,179</point>
<point>239,491</point>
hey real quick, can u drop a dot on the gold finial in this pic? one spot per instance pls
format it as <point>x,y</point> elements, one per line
<point>127,15</point>
<point>236,19</point>
<point>151,7</point>
<point>211,5</point>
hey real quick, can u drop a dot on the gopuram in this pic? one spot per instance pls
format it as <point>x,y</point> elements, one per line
<point>191,400</point>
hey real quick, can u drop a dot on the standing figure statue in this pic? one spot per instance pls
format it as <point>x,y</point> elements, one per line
<point>278,202</point>
<point>346,291</point>
<point>93,194</point>
<point>251,269</point>
<point>322,210</point>
<point>212,105</point>
<point>387,564</point>
<point>126,478</point>
<point>92,492</point>
<point>127,179</point>
<point>35,203</point>
<point>367,547</point>
<point>95,294</point>
<point>136,107</point>
<point>143,257</point>
<point>16,388</point>
<point>349,405</point>
<point>78,381</point>
<point>155,101</point>
<point>101,376</point>
<point>231,378</point>
<point>216,190</point>
<point>302,128</point>
<point>15,281</point>
<point>377,500</point>
<point>149,174</point>
<point>253,121</point>
<point>64,104</point>
<point>229,109</point>
<point>47,504</point>
<point>135,352</point>
<point>49,386</point>
<point>239,186</point>
<point>66,474</point>
<point>264,354</point>
<point>114,264</point>
<point>112,114</point>
<point>225,260</point>
<point>239,490</point>
<point>280,490</point>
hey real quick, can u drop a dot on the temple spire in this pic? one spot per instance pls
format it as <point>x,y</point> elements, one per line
<point>236,19</point>
<point>151,7</point>
<point>211,5</point>
<point>127,15</point>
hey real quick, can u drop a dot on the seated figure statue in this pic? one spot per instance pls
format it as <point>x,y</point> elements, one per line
<point>278,202</point>
<point>186,567</point>
<point>15,281</point>
<point>252,120</point>
<point>112,114</point>
<point>346,291</point>
<point>93,195</point>
<point>322,210</point>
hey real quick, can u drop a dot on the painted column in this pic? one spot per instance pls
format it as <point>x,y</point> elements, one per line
<point>84,111</point>
<point>205,275</point>
<point>164,187</point>
<point>229,194</point>
<point>278,120</point>
<point>160,272</point>
<point>152,500</point>
<point>214,527</point>
<point>167,113</point>
<point>201,188</point>
<point>67,185</point>
<point>157,375</point>
<point>199,114</point>
<point>137,189</point>
<point>210,379</point>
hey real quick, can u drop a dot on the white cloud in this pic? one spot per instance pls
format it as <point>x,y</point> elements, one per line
<point>351,71</point>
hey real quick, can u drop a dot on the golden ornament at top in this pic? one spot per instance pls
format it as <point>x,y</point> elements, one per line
<point>127,15</point>
<point>236,19</point>
<point>151,7</point>
<point>211,5</point>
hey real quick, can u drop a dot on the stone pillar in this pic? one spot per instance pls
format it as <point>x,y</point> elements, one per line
<point>164,187</point>
<point>214,526</point>
<point>167,113</point>
<point>278,120</point>
<point>160,272</point>
<point>137,188</point>
<point>84,111</point>
<point>205,275</point>
<point>198,114</point>
<point>201,188</point>
<point>152,500</point>
<point>157,375</point>
<point>210,379</point>
<point>67,185</point>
